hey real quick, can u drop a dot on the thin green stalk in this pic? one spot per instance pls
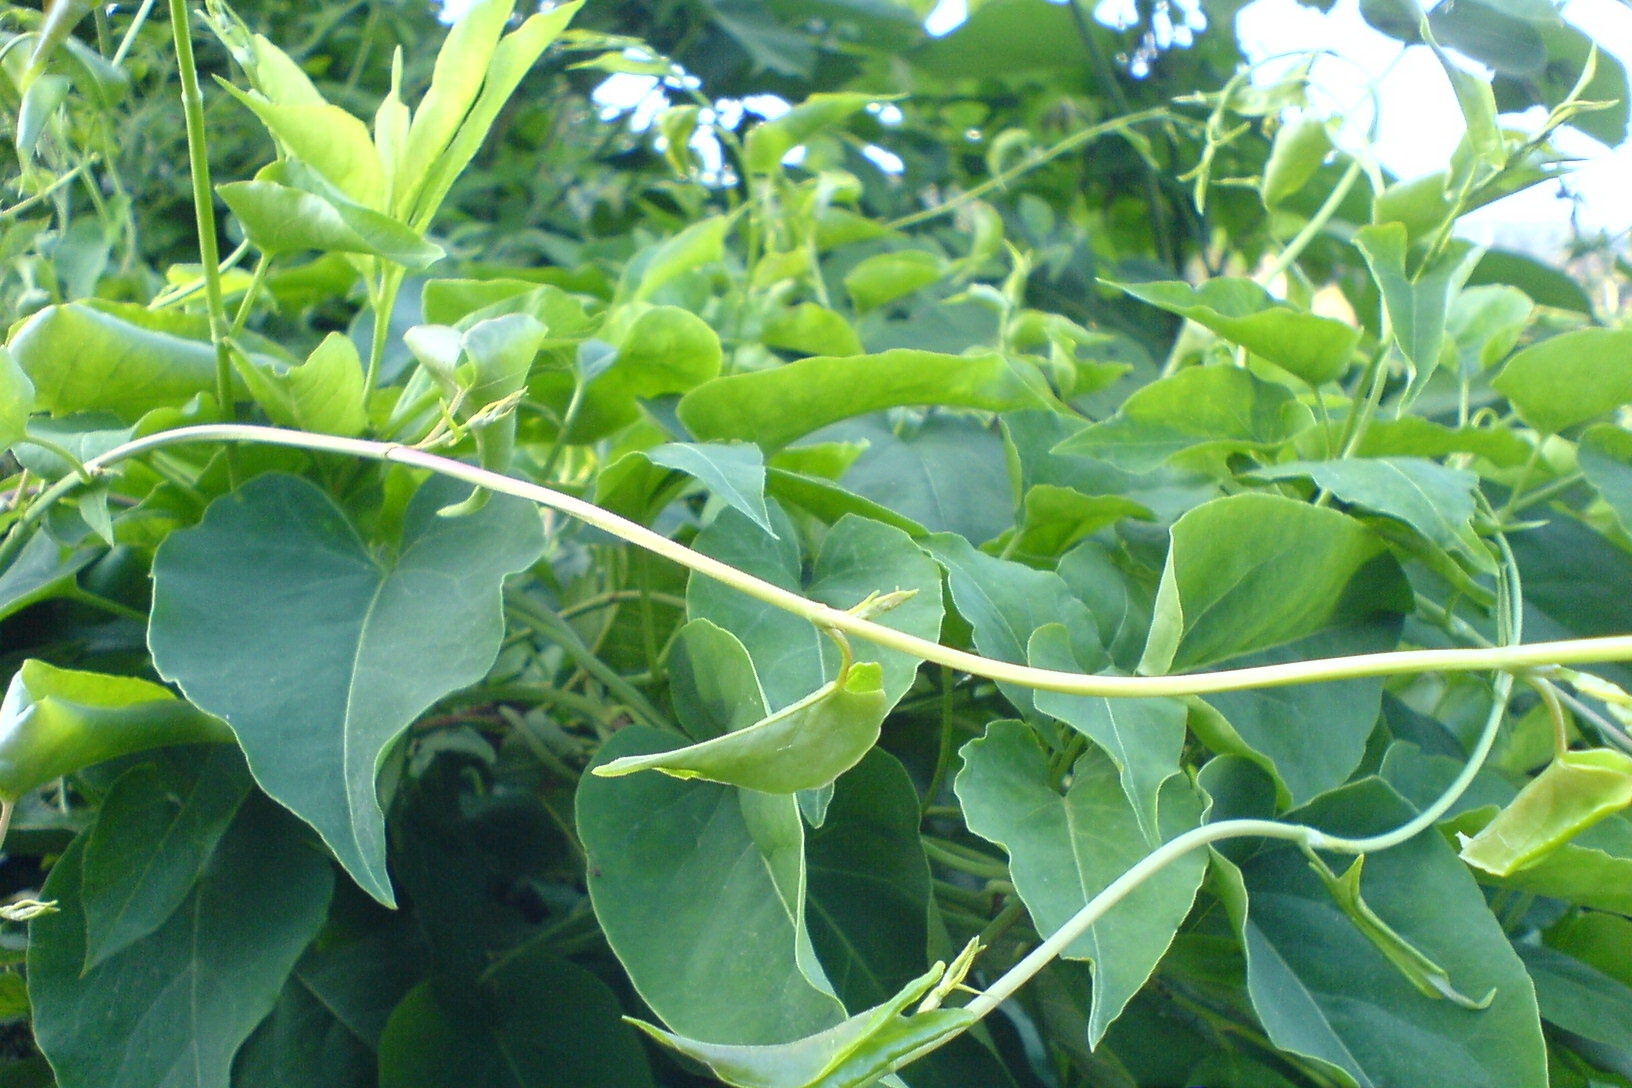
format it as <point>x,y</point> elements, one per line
<point>192,104</point>
<point>1000,180</point>
<point>943,755</point>
<point>256,278</point>
<point>384,302</point>
<point>135,27</point>
<point>47,192</point>
<point>549,624</point>
<point>1507,658</point>
<point>1294,249</point>
<point>963,859</point>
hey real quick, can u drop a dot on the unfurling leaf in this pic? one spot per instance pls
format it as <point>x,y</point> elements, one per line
<point>1575,791</point>
<point>800,747</point>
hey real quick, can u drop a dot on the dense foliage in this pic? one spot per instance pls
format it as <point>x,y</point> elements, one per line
<point>883,531</point>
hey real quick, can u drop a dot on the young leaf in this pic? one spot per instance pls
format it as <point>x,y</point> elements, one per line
<point>800,747</point>
<point>56,721</point>
<point>1417,303</point>
<point>331,648</point>
<point>1300,147</point>
<point>733,471</point>
<point>1435,500</point>
<point>1316,349</point>
<point>712,682</point>
<point>774,407</point>
<point>282,219</point>
<point>1575,791</point>
<point>174,1007</point>
<point>329,140</point>
<point>324,394</point>
<point>1064,850</point>
<point>768,143</point>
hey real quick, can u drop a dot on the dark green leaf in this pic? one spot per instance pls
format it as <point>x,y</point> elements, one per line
<point>1578,997</point>
<point>1605,456</point>
<point>1064,850</point>
<point>675,865</point>
<point>155,833</point>
<point>532,1021</point>
<point>372,638</point>
<point>40,571</point>
<point>299,1035</point>
<point>712,682</point>
<point>774,407</point>
<point>173,1007</point>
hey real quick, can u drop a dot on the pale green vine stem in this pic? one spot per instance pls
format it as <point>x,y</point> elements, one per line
<point>1294,249</point>
<point>1503,658</point>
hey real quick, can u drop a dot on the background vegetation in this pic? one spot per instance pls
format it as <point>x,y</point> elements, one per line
<point>1063,345</point>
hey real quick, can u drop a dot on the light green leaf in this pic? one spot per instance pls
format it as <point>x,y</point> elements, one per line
<point>767,143</point>
<point>733,471</point>
<point>1605,456</point>
<point>1316,349</point>
<point>1435,500</point>
<point>1143,737</point>
<point>156,830</point>
<point>801,747</point>
<point>173,1008</point>
<point>810,329</point>
<point>1478,105</point>
<point>456,81</point>
<point>1413,436</point>
<point>774,407</point>
<point>56,721</point>
<point>1417,302</point>
<point>885,277</point>
<point>1574,792</point>
<point>281,219</point>
<point>1592,870</point>
<point>702,243</point>
<point>1004,602</point>
<point>1250,572</point>
<point>1486,323</point>
<point>712,682</point>
<point>673,865</point>
<point>16,400</point>
<point>114,357</point>
<point>828,502</point>
<point>373,638</point>
<point>663,350</point>
<point>850,1054</point>
<point>324,394</point>
<point>1300,147</point>
<point>1569,378</point>
<point>1213,408</point>
<point>533,1021</point>
<point>326,138</point>
<point>1053,518</point>
<point>858,558</point>
<point>1323,990</point>
<point>514,56</point>
<point>1064,850</point>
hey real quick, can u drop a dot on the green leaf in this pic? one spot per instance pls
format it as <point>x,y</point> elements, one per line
<point>1435,500</point>
<point>674,865</point>
<point>946,474</point>
<point>301,1034</point>
<point>810,329</point>
<point>1546,285</point>
<point>828,502</point>
<point>1316,349</point>
<point>733,471</point>
<point>1413,436</point>
<point>173,1008</point>
<point>1478,105</point>
<point>1064,850</point>
<point>326,138</point>
<point>1299,150</point>
<point>324,394</point>
<point>1053,518</point>
<point>1143,737</point>
<point>1486,323</point>
<point>155,833</point>
<point>702,243</point>
<point>1569,378</point>
<point>774,407</point>
<point>533,1021</point>
<point>767,143</point>
<point>663,350</point>
<point>885,277</point>
<point>1417,303</point>
<point>1497,35</point>
<point>1308,737</point>
<point>1568,51</point>
<point>1593,870</point>
<point>800,747</point>
<point>858,558</point>
<point>1579,998</point>
<point>851,1054</point>
<point>113,357</point>
<point>16,400</point>
<point>1215,408</point>
<point>1323,990</point>
<point>1605,456</point>
<point>1250,572</point>
<point>1005,602</point>
<point>712,682</point>
<point>56,721</point>
<point>333,645</point>
<point>1574,792</point>
<point>40,571</point>
<point>280,219</point>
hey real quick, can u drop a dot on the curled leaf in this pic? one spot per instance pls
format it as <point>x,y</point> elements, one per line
<point>800,747</point>
<point>1575,791</point>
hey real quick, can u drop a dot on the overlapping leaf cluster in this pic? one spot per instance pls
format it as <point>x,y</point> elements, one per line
<point>333,770</point>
